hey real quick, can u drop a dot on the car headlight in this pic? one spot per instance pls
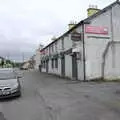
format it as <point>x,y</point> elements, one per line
<point>14,89</point>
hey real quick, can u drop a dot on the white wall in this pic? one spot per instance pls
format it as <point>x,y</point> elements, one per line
<point>37,60</point>
<point>116,22</point>
<point>94,47</point>
<point>112,62</point>
<point>67,42</point>
<point>79,46</point>
<point>68,66</point>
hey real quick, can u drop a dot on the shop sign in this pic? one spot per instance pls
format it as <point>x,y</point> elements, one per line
<point>44,52</point>
<point>76,36</point>
<point>96,30</point>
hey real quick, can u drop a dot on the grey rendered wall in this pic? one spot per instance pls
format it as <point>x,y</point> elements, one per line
<point>80,66</point>
<point>68,66</point>
<point>59,49</point>
<point>67,42</point>
<point>37,61</point>
<point>95,47</point>
<point>43,69</point>
<point>50,68</point>
<point>55,70</point>
<point>112,62</point>
<point>116,22</point>
<point>68,59</point>
<point>59,66</point>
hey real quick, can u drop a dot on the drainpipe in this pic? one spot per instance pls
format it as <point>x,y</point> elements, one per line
<point>84,64</point>
<point>112,37</point>
<point>84,59</point>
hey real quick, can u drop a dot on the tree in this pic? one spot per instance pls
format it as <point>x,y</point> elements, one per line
<point>2,63</point>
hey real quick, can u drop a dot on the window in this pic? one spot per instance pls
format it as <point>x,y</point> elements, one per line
<point>41,64</point>
<point>56,63</point>
<point>44,64</point>
<point>56,46</point>
<point>52,47</point>
<point>49,50</point>
<point>52,64</point>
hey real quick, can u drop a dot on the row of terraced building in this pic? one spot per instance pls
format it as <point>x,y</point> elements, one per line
<point>89,50</point>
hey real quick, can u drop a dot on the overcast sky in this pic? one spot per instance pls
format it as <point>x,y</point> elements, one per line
<point>24,24</point>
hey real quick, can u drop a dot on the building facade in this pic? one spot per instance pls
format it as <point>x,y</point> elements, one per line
<point>89,50</point>
<point>37,57</point>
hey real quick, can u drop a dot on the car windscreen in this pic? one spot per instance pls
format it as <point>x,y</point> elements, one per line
<point>7,75</point>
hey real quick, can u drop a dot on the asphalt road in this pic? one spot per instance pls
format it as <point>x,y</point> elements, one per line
<point>47,97</point>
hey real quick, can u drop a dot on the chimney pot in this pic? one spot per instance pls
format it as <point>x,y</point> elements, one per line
<point>92,10</point>
<point>72,24</point>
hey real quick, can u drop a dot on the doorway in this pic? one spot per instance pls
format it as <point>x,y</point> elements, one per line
<point>63,66</point>
<point>74,67</point>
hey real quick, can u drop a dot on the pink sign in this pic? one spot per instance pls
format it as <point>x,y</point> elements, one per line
<point>96,30</point>
<point>42,52</point>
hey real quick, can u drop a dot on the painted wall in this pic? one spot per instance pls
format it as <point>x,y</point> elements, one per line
<point>67,42</point>
<point>59,49</point>
<point>112,62</point>
<point>95,47</point>
<point>116,22</point>
<point>37,60</point>
<point>79,46</point>
<point>68,66</point>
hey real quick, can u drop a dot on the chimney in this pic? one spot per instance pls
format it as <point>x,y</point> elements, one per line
<point>53,38</point>
<point>92,10</point>
<point>71,24</point>
<point>40,46</point>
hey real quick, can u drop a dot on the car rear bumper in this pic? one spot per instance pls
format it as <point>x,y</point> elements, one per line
<point>15,94</point>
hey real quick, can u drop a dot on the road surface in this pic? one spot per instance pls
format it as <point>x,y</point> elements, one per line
<point>47,97</point>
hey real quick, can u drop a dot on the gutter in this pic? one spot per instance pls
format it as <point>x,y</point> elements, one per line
<point>84,61</point>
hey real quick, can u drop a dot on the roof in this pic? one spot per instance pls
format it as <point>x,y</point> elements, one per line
<point>84,21</point>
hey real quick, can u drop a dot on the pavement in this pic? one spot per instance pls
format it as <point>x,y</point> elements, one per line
<point>48,97</point>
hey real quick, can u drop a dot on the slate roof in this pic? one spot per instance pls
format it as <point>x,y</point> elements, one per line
<point>85,20</point>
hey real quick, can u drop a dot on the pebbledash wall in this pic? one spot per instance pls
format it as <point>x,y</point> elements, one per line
<point>37,59</point>
<point>95,55</point>
<point>102,50</point>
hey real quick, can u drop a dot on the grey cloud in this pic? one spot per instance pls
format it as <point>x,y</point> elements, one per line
<point>26,23</point>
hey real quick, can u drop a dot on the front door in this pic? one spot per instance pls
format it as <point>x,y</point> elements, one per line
<point>47,66</point>
<point>63,66</point>
<point>74,67</point>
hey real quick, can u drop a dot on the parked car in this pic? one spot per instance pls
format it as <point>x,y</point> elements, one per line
<point>9,84</point>
<point>23,68</point>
